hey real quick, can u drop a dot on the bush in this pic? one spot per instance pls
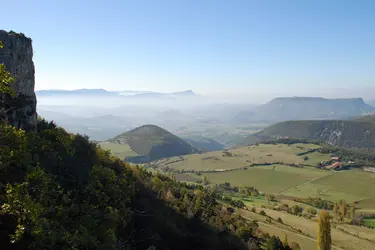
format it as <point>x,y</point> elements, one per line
<point>280,220</point>
<point>262,213</point>
<point>295,246</point>
<point>253,209</point>
<point>311,210</point>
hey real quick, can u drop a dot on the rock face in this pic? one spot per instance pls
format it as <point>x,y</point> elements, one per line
<point>306,108</point>
<point>17,56</point>
<point>347,134</point>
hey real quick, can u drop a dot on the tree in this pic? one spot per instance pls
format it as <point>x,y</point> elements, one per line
<point>285,240</point>
<point>335,209</point>
<point>352,211</point>
<point>274,243</point>
<point>324,231</point>
<point>205,182</point>
<point>295,246</point>
<point>6,80</point>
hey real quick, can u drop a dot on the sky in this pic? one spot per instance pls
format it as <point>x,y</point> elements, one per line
<point>218,47</point>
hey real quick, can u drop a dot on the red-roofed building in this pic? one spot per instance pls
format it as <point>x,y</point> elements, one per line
<point>336,158</point>
<point>336,165</point>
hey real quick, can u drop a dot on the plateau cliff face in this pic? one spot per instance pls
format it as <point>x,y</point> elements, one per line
<point>307,108</point>
<point>348,134</point>
<point>17,56</point>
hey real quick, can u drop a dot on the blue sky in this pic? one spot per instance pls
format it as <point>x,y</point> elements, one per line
<point>210,46</point>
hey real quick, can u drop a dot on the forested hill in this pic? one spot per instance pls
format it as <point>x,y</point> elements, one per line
<point>151,142</point>
<point>60,191</point>
<point>347,134</point>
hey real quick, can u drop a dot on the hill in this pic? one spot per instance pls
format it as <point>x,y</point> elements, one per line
<point>306,108</point>
<point>347,134</point>
<point>204,143</point>
<point>148,143</point>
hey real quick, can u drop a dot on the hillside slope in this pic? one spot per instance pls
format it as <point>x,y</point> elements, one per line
<point>347,134</point>
<point>306,108</point>
<point>151,142</point>
<point>204,143</point>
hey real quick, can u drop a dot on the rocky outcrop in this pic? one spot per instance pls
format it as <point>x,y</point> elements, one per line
<point>17,56</point>
<point>347,134</point>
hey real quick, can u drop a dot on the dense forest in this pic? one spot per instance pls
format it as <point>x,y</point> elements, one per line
<point>60,191</point>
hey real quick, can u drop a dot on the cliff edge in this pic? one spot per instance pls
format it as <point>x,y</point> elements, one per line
<point>17,56</point>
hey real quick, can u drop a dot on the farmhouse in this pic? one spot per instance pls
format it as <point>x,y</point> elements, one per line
<point>335,165</point>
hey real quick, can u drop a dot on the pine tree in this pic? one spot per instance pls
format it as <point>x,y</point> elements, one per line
<point>324,231</point>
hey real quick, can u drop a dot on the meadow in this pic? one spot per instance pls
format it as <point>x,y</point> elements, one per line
<point>270,179</point>
<point>245,156</point>
<point>304,231</point>
<point>119,150</point>
<point>350,185</point>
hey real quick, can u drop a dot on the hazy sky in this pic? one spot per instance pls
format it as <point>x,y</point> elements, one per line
<point>209,46</point>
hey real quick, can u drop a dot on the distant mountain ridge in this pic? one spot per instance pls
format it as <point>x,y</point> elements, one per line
<point>151,142</point>
<point>359,134</point>
<point>103,92</point>
<point>306,108</point>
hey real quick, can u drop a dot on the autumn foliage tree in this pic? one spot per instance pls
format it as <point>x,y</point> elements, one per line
<point>324,231</point>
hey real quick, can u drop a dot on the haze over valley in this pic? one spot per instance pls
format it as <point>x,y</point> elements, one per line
<point>189,125</point>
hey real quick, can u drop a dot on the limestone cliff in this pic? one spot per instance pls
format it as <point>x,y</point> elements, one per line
<point>17,56</point>
<point>348,134</point>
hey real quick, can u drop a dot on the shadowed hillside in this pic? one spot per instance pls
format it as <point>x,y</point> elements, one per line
<point>204,143</point>
<point>347,134</point>
<point>150,142</point>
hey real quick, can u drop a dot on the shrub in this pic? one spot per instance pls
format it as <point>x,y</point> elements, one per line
<point>253,209</point>
<point>262,213</point>
<point>280,220</point>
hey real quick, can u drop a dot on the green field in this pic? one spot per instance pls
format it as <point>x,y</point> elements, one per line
<point>245,156</point>
<point>119,150</point>
<point>348,185</point>
<point>267,179</point>
<point>370,222</point>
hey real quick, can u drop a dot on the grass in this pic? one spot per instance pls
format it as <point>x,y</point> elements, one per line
<point>303,242</point>
<point>265,179</point>
<point>245,156</point>
<point>119,150</point>
<point>370,222</point>
<point>348,185</point>
<point>309,227</point>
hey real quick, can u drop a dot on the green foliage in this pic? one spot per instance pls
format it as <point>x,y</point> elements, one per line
<point>6,80</point>
<point>274,243</point>
<point>261,212</point>
<point>297,210</point>
<point>324,231</point>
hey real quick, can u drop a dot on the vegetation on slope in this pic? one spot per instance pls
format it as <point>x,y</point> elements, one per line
<point>61,191</point>
<point>347,134</point>
<point>204,143</point>
<point>151,142</point>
